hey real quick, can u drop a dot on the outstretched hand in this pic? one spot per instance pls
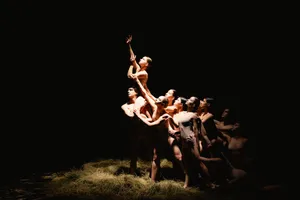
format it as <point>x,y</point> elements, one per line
<point>129,39</point>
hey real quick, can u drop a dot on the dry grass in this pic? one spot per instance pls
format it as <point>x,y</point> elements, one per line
<point>109,179</point>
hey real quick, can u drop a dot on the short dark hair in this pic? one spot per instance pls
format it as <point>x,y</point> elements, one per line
<point>136,89</point>
<point>209,100</point>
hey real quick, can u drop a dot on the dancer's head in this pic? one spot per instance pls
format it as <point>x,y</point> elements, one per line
<point>205,104</point>
<point>180,103</point>
<point>132,92</point>
<point>161,101</point>
<point>145,62</point>
<point>171,95</point>
<point>192,104</point>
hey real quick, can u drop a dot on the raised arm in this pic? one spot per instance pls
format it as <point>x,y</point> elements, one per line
<point>143,75</point>
<point>130,71</point>
<point>146,95</point>
<point>132,56</point>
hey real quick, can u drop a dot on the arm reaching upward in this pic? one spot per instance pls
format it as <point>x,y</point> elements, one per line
<point>143,77</point>
<point>146,95</point>
<point>130,71</point>
<point>140,74</point>
<point>132,56</point>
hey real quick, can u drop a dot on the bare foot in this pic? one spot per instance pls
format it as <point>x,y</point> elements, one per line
<point>186,181</point>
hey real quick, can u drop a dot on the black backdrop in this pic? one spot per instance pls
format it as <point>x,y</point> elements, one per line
<point>67,75</point>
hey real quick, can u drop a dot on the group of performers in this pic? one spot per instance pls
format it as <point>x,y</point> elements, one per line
<point>213,151</point>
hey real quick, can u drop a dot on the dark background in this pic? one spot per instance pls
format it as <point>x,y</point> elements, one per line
<point>67,69</point>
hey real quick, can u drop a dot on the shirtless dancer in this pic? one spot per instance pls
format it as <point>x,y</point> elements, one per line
<point>135,102</point>
<point>140,68</point>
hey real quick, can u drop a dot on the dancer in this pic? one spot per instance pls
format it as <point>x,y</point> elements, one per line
<point>140,68</point>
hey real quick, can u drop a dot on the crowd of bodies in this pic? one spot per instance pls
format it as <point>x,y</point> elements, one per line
<point>205,149</point>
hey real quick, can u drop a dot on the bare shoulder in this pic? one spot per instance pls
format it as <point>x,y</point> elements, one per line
<point>209,115</point>
<point>142,73</point>
<point>140,101</point>
<point>194,116</point>
<point>140,98</point>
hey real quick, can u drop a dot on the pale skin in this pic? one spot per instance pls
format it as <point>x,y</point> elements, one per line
<point>158,111</point>
<point>175,110</point>
<point>204,115</point>
<point>182,115</point>
<point>140,68</point>
<point>135,103</point>
<point>155,165</point>
<point>171,110</point>
<point>196,150</point>
<point>173,128</point>
<point>156,118</point>
<point>152,123</point>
